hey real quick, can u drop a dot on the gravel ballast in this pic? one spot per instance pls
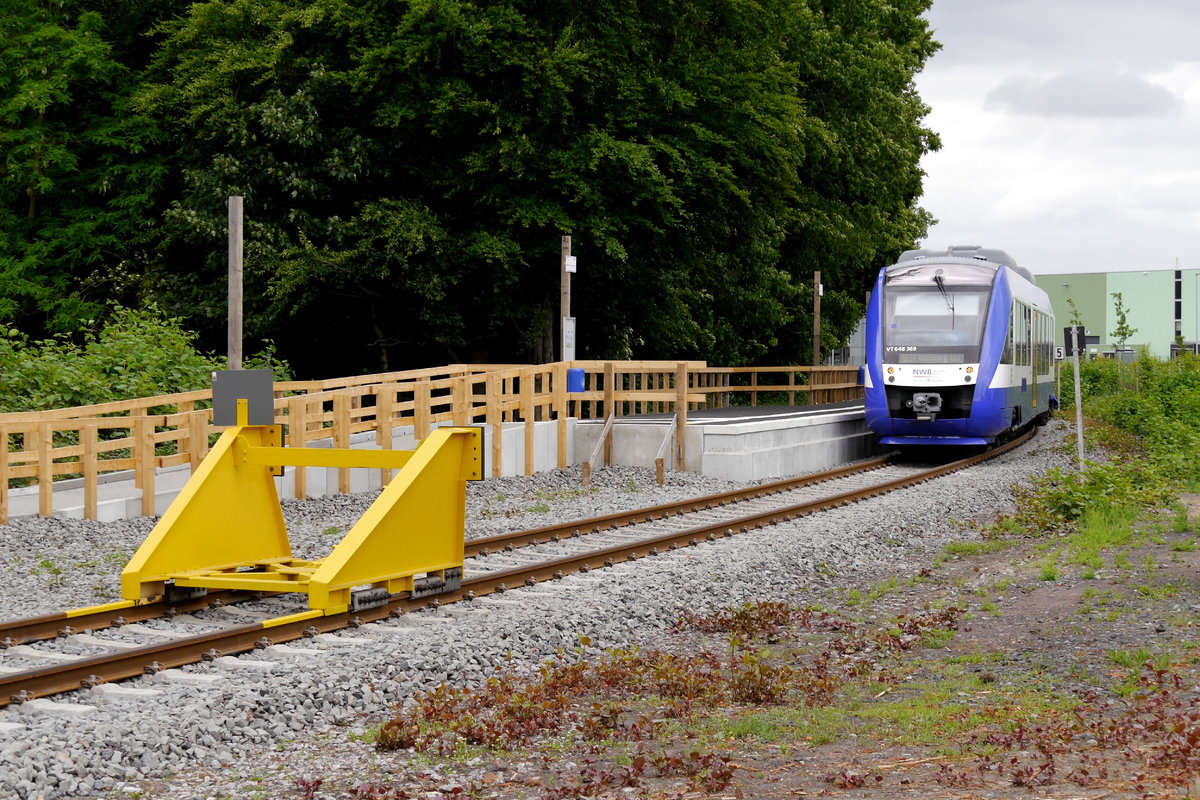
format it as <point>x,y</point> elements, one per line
<point>282,703</point>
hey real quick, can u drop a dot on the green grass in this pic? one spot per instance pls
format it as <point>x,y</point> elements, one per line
<point>942,708</point>
<point>1100,530</point>
<point>978,548</point>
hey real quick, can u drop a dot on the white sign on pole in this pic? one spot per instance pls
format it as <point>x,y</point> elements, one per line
<point>1058,353</point>
<point>568,337</point>
<point>571,263</point>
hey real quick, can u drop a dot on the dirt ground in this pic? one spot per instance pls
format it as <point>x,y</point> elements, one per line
<point>1061,634</point>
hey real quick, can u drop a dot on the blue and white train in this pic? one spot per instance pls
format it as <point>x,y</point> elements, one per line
<point>959,349</point>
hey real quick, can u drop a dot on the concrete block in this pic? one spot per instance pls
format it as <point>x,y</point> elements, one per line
<point>288,650</point>
<point>26,651</point>
<point>53,708</point>
<point>335,639</point>
<point>234,663</point>
<point>193,678</point>
<point>113,691</point>
<point>94,641</point>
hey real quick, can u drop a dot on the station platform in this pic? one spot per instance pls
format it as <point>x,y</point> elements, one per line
<point>739,444</point>
<point>744,443</point>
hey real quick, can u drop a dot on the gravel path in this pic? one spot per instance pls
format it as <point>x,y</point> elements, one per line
<point>239,717</point>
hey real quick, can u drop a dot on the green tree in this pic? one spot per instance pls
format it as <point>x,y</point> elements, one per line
<point>78,175</point>
<point>408,169</point>
<point>1076,319</point>
<point>1123,330</point>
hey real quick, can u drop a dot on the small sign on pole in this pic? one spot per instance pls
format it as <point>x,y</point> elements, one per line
<point>571,263</point>
<point>1069,333</point>
<point>569,338</point>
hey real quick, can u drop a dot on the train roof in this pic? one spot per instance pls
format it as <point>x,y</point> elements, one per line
<point>972,252</point>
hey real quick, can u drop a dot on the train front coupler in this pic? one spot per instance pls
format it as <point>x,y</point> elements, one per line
<point>926,405</point>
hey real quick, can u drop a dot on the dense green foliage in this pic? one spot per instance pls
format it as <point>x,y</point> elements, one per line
<point>408,169</point>
<point>78,175</point>
<point>1151,411</point>
<point>134,354</point>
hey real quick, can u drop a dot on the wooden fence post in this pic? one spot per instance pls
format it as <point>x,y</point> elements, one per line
<point>341,436</point>
<point>91,500</point>
<point>3,475</point>
<point>385,398</point>
<point>681,411</point>
<point>297,406</point>
<point>561,411</point>
<point>610,406</point>
<point>143,460</point>
<point>197,438</point>
<point>422,400</point>
<point>494,414</point>
<point>461,398</point>
<point>527,416</point>
<point>45,470</point>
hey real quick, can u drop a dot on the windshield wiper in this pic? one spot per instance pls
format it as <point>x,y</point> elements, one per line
<point>941,284</point>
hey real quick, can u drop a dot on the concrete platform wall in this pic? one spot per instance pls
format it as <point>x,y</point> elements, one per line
<point>778,448</point>
<point>742,451</point>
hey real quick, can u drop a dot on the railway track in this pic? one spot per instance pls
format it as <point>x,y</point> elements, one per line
<point>57,653</point>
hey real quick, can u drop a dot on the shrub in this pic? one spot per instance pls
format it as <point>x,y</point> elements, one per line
<point>135,353</point>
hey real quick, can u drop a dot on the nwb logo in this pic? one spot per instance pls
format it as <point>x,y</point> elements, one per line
<point>923,372</point>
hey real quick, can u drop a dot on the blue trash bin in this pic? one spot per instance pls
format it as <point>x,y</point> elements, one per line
<point>575,379</point>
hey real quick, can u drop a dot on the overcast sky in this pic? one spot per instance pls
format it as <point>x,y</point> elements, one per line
<point>1070,131</point>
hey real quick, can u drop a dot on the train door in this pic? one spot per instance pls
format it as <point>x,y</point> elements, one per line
<point>1035,352</point>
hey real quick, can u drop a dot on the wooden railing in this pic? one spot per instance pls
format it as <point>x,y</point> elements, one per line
<point>146,434</point>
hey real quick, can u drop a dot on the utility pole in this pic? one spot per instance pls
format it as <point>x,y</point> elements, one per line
<point>235,282</point>
<point>817,290</point>
<point>567,348</point>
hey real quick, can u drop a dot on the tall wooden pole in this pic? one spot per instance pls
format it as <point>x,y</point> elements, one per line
<point>567,336</point>
<point>816,359</point>
<point>235,282</point>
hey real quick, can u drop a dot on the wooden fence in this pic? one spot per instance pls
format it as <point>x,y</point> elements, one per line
<point>145,434</point>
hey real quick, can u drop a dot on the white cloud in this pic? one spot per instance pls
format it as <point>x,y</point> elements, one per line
<point>1080,94</point>
<point>1070,129</point>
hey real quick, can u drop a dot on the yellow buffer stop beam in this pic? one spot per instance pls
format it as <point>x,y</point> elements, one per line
<point>226,529</point>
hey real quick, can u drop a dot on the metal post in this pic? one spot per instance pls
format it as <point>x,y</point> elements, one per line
<point>235,282</point>
<point>816,359</point>
<point>1075,347</point>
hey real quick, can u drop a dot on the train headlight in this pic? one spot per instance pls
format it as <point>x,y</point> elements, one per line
<point>970,370</point>
<point>891,370</point>
<point>966,379</point>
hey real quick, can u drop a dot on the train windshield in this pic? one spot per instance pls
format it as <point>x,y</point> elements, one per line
<point>934,324</point>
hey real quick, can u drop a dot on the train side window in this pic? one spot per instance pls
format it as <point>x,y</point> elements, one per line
<point>1007,356</point>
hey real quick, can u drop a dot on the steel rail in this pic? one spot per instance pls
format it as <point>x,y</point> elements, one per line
<point>59,678</point>
<point>66,623</point>
<point>487,544</point>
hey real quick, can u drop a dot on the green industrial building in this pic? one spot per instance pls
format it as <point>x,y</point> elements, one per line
<point>1162,305</point>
